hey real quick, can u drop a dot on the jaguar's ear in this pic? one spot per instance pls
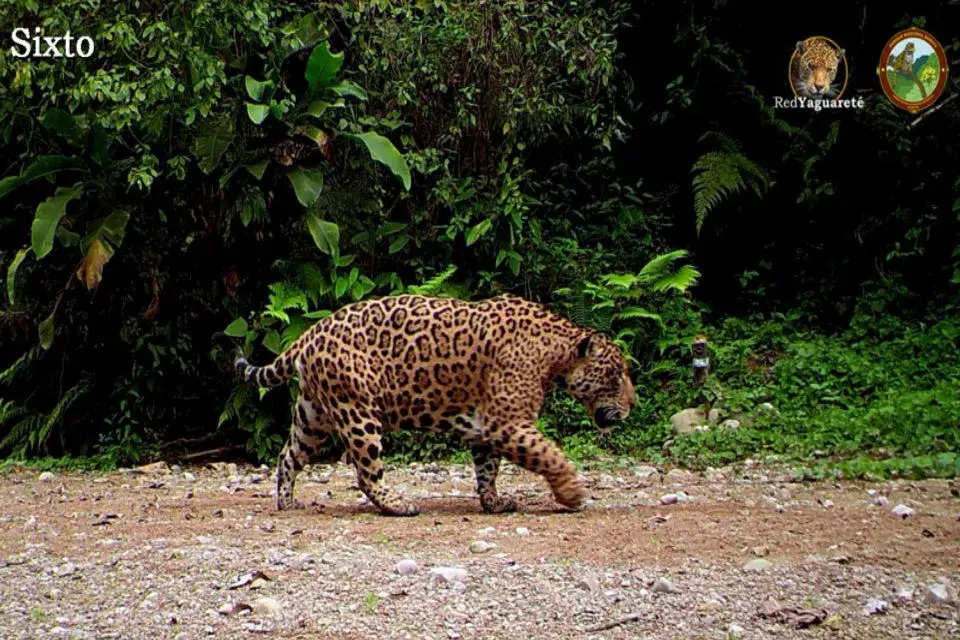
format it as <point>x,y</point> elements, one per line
<point>584,345</point>
<point>587,345</point>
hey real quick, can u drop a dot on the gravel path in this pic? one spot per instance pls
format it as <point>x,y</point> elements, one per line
<point>171,553</point>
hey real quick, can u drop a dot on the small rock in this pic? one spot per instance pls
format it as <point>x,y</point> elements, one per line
<point>678,475</point>
<point>487,531</point>
<point>881,501</point>
<point>684,421</point>
<point>189,477</point>
<point>669,498</point>
<point>938,594</point>
<point>481,546</point>
<point>48,476</point>
<point>590,584</point>
<point>730,424</point>
<point>31,523</point>
<point>903,511</point>
<point>767,407</point>
<point>761,551</point>
<point>663,585</point>
<point>646,472</point>
<point>735,631</point>
<point>875,606</point>
<point>449,574</point>
<point>904,595</point>
<point>266,606</point>
<point>407,566</point>
<point>232,469</point>
<point>523,531</point>
<point>713,416</point>
<point>827,504</point>
<point>757,565</point>
<point>150,602</point>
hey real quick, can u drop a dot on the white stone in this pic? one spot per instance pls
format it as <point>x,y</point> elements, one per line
<point>47,476</point>
<point>663,585</point>
<point>266,606</point>
<point>407,566</point>
<point>758,564</point>
<point>903,511</point>
<point>449,574</point>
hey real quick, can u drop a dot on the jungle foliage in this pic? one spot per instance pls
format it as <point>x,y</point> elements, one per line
<point>250,166</point>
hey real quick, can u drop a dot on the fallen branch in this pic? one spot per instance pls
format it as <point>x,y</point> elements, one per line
<point>633,617</point>
<point>211,453</point>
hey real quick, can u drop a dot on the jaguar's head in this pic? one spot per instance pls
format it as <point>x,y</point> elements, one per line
<point>599,379</point>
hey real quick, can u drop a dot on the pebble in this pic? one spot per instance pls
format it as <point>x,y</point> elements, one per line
<point>758,564</point>
<point>730,424</point>
<point>875,606</point>
<point>449,574</point>
<point>735,631</point>
<point>903,511</point>
<point>881,501</point>
<point>827,504</point>
<point>938,594</point>
<point>407,566</point>
<point>646,472</point>
<point>590,584</point>
<point>189,477</point>
<point>266,606</point>
<point>669,498</point>
<point>663,585</point>
<point>523,531</point>
<point>47,476</point>
<point>481,546</point>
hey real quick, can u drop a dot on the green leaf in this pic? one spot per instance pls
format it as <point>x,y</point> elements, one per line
<point>348,88</point>
<point>214,138</point>
<point>62,123</point>
<point>12,273</point>
<point>390,228</point>
<point>399,243</point>
<point>67,238</point>
<point>43,167</point>
<point>112,227</point>
<point>46,330</point>
<point>307,183</point>
<point>98,145</point>
<point>633,313</point>
<point>237,328</point>
<point>322,67</point>
<point>258,169</point>
<point>256,88</point>
<point>318,315</point>
<point>383,151</point>
<point>326,235</point>
<point>478,231</point>
<point>318,108</point>
<point>272,342</point>
<point>48,216</point>
<point>257,112</point>
<point>340,287</point>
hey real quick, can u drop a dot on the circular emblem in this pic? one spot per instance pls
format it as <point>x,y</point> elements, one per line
<point>818,69</point>
<point>913,70</point>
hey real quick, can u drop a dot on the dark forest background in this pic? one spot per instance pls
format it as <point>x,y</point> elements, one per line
<point>252,165</point>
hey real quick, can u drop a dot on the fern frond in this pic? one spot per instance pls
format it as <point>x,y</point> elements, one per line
<point>434,285</point>
<point>656,268</point>
<point>721,174</point>
<point>38,437</point>
<point>680,280</point>
<point>19,435</point>
<point>19,367</point>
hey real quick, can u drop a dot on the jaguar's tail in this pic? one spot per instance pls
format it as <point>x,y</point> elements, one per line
<point>271,375</point>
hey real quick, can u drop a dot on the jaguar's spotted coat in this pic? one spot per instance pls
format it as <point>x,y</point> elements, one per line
<point>477,369</point>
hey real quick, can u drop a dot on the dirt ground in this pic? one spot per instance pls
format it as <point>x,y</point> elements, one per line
<point>167,553</point>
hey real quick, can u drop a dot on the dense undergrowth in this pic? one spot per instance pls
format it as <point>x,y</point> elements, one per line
<point>251,167</point>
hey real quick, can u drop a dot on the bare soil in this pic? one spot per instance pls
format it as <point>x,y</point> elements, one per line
<point>153,554</point>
